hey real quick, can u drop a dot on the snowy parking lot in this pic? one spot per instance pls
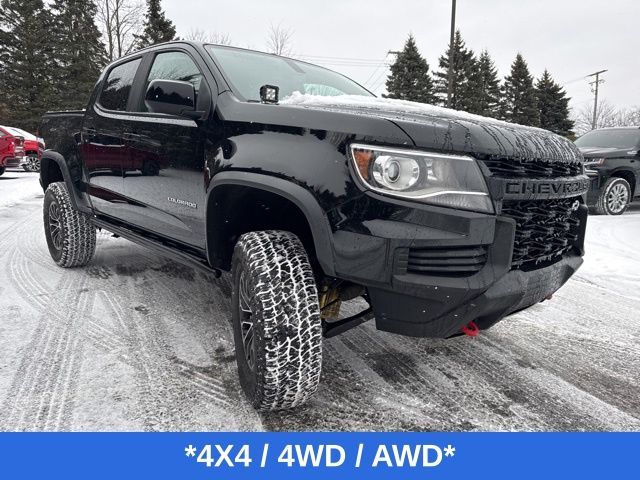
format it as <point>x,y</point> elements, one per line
<point>134,341</point>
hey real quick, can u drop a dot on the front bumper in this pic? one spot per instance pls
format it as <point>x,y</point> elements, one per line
<point>595,186</point>
<point>397,312</point>
<point>438,305</point>
<point>13,162</point>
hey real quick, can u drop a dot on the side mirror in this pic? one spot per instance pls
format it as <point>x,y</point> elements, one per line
<point>171,97</point>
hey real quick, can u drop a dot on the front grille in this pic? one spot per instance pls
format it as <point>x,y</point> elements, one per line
<point>514,168</point>
<point>545,230</point>
<point>450,261</point>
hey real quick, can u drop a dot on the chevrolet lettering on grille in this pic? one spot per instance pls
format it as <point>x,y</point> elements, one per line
<point>541,189</point>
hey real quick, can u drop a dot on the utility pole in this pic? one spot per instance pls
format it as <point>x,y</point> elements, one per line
<point>451,52</point>
<point>595,84</point>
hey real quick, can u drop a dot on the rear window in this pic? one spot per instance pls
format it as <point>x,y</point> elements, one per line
<point>117,86</point>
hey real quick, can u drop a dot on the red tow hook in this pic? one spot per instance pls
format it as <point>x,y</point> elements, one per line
<point>471,329</point>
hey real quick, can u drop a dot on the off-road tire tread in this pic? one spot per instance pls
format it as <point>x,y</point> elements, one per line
<point>78,233</point>
<point>288,331</point>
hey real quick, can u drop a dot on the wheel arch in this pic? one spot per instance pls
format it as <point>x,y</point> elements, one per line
<point>628,175</point>
<point>270,197</point>
<point>54,168</point>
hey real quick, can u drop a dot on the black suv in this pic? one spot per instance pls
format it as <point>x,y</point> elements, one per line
<point>313,192</point>
<point>612,162</point>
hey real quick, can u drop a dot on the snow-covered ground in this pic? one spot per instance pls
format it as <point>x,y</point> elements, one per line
<point>17,185</point>
<point>136,342</point>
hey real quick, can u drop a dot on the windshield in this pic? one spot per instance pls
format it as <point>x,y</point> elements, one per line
<point>616,138</point>
<point>247,71</point>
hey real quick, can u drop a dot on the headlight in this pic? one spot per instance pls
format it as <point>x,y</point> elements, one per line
<point>592,162</point>
<point>448,180</point>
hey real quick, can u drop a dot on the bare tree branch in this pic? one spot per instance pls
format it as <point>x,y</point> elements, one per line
<point>279,39</point>
<point>218,38</point>
<point>607,116</point>
<point>119,21</point>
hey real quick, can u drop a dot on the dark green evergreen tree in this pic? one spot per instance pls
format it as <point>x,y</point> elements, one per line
<point>78,51</point>
<point>157,27</point>
<point>465,77</point>
<point>26,62</point>
<point>410,78</point>
<point>519,99</point>
<point>486,87</point>
<point>553,105</point>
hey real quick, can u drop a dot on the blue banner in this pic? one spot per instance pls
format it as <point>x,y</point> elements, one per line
<point>323,456</point>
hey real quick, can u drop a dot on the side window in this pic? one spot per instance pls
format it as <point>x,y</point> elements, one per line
<point>174,66</point>
<point>117,86</point>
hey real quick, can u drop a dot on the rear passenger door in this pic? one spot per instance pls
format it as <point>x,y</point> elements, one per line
<point>103,146</point>
<point>164,170</point>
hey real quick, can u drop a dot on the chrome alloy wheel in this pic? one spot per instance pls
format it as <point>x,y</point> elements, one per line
<point>246,321</point>
<point>617,198</point>
<point>55,225</point>
<point>33,164</point>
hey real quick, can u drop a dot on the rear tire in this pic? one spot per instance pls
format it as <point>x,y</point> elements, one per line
<point>276,320</point>
<point>71,237</point>
<point>614,198</point>
<point>2,170</point>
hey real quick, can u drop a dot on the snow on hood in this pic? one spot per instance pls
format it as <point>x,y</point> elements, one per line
<point>449,130</point>
<point>391,105</point>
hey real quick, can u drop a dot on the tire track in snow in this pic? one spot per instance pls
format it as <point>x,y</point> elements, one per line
<point>41,394</point>
<point>164,379</point>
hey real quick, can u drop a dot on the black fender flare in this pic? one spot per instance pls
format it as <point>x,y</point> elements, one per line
<point>77,192</point>
<point>299,196</point>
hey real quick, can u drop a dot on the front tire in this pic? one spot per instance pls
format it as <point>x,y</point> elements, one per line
<point>33,164</point>
<point>71,237</point>
<point>615,197</point>
<point>276,320</point>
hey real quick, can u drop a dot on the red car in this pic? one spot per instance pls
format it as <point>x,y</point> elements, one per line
<point>33,148</point>
<point>11,149</point>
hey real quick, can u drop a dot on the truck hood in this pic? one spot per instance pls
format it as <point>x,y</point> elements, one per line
<point>447,130</point>
<point>605,152</point>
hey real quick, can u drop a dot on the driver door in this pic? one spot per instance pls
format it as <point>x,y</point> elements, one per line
<point>164,169</point>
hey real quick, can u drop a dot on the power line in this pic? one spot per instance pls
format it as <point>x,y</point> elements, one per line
<point>374,72</point>
<point>379,80</point>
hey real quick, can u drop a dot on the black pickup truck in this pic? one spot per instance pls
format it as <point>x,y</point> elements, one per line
<point>612,163</point>
<point>313,192</point>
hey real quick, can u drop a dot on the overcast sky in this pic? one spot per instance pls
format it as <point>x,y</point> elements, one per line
<point>571,38</point>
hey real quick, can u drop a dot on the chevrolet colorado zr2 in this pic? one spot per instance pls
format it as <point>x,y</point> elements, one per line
<point>311,192</point>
